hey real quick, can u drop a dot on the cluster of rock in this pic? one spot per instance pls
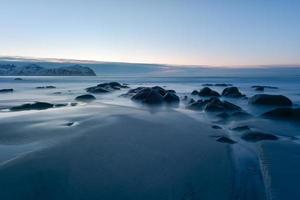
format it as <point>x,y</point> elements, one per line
<point>206,92</point>
<point>46,87</point>
<point>36,70</point>
<point>153,95</point>
<point>106,87</point>
<point>232,92</point>
<point>37,106</point>
<point>213,104</point>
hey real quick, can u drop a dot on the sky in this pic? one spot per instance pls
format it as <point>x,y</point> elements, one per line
<point>182,32</point>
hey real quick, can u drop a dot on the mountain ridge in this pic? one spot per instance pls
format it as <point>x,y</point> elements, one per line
<point>33,69</point>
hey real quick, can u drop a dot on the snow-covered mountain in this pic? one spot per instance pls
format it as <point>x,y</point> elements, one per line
<point>36,70</point>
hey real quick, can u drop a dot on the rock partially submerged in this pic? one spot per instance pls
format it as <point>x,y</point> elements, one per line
<point>106,87</point>
<point>256,136</point>
<point>259,88</point>
<point>217,84</point>
<point>18,79</point>
<point>171,97</point>
<point>235,115</point>
<point>270,100</point>
<point>213,104</point>
<point>57,93</point>
<point>195,92</point>
<point>6,90</point>
<point>46,87</point>
<point>216,127</point>
<point>262,87</point>
<point>232,92</point>
<point>153,95</point>
<point>292,114</point>
<point>60,105</point>
<point>33,106</point>
<point>241,128</point>
<point>227,140</point>
<point>85,98</point>
<point>206,92</point>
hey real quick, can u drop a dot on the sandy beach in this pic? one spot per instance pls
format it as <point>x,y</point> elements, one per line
<point>112,152</point>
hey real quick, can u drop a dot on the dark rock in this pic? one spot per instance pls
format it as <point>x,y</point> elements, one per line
<point>222,85</point>
<point>153,95</point>
<point>234,115</point>
<point>142,94</point>
<point>259,88</point>
<point>6,90</point>
<point>192,101</point>
<point>149,96</point>
<point>96,89</point>
<point>292,114</point>
<point>270,100</point>
<point>195,92</point>
<point>227,140</point>
<point>73,104</point>
<point>160,90</point>
<point>85,98</point>
<point>171,97</point>
<point>60,105</point>
<point>207,84</point>
<point>241,115</point>
<point>185,98</point>
<point>18,79</point>
<point>207,92</point>
<point>46,87</point>
<point>112,85</point>
<point>241,128</point>
<point>213,104</point>
<point>69,124</point>
<point>136,90</point>
<point>232,92</point>
<point>262,87</point>
<point>217,84</point>
<point>223,115</point>
<point>255,136</point>
<point>216,127</point>
<point>106,87</point>
<point>172,91</point>
<point>196,105</point>
<point>57,93</point>
<point>33,106</point>
<point>132,92</point>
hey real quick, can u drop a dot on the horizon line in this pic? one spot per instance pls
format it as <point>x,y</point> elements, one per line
<point>87,61</point>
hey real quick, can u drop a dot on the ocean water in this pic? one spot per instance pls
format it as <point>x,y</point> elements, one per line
<point>70,87</point>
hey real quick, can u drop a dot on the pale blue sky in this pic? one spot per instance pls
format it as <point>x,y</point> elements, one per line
<point>203,32</point>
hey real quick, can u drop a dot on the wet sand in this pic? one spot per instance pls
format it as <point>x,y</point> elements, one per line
<point>112,152</point>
